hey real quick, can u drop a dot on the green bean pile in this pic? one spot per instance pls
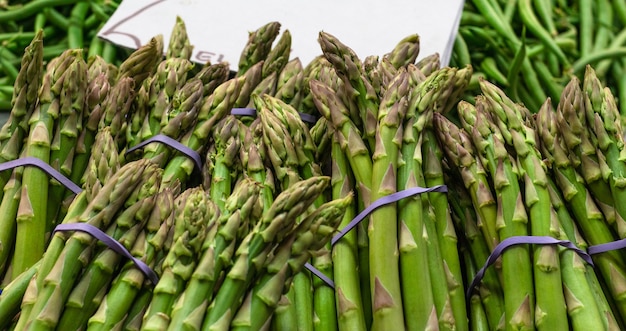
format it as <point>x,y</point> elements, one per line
<point>532,48</point>
<point>67,24</point>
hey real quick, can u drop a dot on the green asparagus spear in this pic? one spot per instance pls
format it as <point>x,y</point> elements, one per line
<point>31,215</point>
<point>289,258</point>
<point>195,216</point>
<point>252,252</point>
<point>179,45</point>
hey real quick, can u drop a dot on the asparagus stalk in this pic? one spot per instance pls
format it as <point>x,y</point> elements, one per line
<point>405,52</point>
<point>170,76</point>
<point>281,151</point>
<point>385,279</point>
<point>429,64</point>
<point>465,218</point>
<point>512,218</point>
<point>605,124</point>
<point>8,209</point>
<point>59,282</point>
<point>142,62</point>
<point>31,215</point>
<point>179,45</point>
<point>350,68</point>
<point>258,46</point>
<point>66,133</point>
<point>214,108</point>
<point>222,162</point>
<point>411,242</point>
<point>99,213</point>
<point>13,295</point>
<point>97,91</point>
<point>289,85</point>
<point>126,286</point>
<point>433,174</point>
<point>253,158</point>
<point>103,163</point>
<point>584,307</point>
<point>86,296</point>
<point>116,108</point>
<point>252,252</point>
<point>195,216</point>
<point>278,56</point>
<point>349,137</point>
<point>240,206</point>
<point>181,114</point>
<point>212,76</point>
<point>589,216</point>
<point>349,304</point>
<point>23,102</point>
<point>285,313</point>
<point>549,296</point>
<point>321,304</point>
<point>572,122</point>
<point>250,84</point>
<point>289,258</point>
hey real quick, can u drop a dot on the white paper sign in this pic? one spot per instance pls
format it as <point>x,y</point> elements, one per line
<point>219,29</point>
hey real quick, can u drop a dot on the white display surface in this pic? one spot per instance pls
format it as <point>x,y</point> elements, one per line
<point>219,29</point>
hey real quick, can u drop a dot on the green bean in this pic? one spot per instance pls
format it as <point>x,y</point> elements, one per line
<point>515,67</point>
<point>534,26</point>
<point>495,20</point>
<point>620,10</point>
<point>497,8</point>
<point>99,11</point>
<point>509,10</point>
<point>109,51</point>
<point>484,36</point>
<point>489,67</point>
<point>531,80</point>
<point>22,36</point>
<point>553,64</point>
<point>8,68</point>
<point>564,43</point>
<point>40,21</point>
<point>56,18</point>
<point>617,70</point>
<point>609,53</point>
<point>32,8</point>
<point>6,89</point>
<point>91,22</point>
<point>5,105</point>
<point>529,101</point>
<point>585,9</point>
<point>75,28</point>
<point>544,11</point>
<point>605,23</point>
<point>461,51</point>
<point>472,19</point>
<point>617,41</point>
<point>96,46</point>
<point>548,82</point>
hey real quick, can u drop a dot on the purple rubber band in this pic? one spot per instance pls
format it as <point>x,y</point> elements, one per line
<point>602,248</point>
<point>320,275</point>
<point>394,197</point>
<point>243,112</point>
<point>518,240</point>
<point>111,243</point>
<point>307,118</point>
<point>33,161</point>
<point>160,138</point>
